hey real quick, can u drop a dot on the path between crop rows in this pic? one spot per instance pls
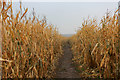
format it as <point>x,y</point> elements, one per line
<point>65,68</point>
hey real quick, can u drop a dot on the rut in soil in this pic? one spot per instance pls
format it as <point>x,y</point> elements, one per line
<point>65,68</point>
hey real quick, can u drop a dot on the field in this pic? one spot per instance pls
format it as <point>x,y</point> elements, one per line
<point>95,48</point>
<point>31,48</point>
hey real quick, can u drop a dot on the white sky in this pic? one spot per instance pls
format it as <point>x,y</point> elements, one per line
<point>68,16</point>
<point>63,0</point>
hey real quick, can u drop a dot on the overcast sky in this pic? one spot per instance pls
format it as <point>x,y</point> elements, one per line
<point>68,16</point>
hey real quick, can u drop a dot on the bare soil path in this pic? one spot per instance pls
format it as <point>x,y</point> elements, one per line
<point>65,67</point>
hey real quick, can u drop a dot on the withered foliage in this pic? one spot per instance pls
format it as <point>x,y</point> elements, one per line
<point>95,48</point>
<point>30,47</point>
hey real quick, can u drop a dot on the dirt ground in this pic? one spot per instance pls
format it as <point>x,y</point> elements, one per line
<point>65,67</point>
